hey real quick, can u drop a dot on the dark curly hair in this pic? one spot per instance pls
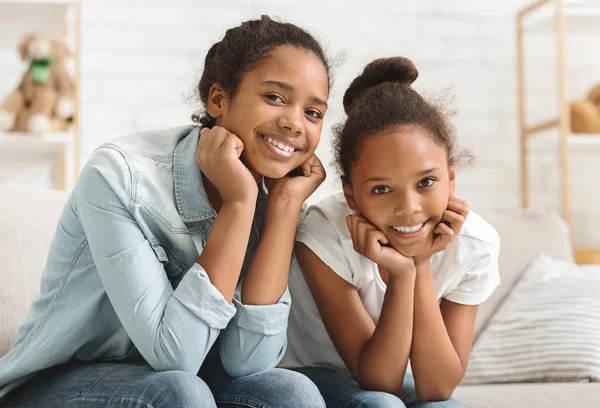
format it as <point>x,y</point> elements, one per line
<point>241,49</point>
<point>381,98</point>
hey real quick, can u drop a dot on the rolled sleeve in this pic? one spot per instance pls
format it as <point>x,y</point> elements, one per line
<point>262,319</point>
<point>204,300</point>
<point>256,338</point>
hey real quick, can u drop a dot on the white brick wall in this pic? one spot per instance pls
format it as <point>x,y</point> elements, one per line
<point>141,59</point>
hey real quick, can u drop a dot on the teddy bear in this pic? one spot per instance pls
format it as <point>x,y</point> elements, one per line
<point>43,100</point>
<point>585,113</point>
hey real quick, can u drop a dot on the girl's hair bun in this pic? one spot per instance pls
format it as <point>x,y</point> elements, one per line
<point>382,70</point>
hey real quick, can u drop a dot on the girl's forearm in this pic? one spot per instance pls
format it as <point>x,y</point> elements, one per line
<point>383,361</point>
<point>223,254</point>
<point>436,366</point>
<point>267,277</point>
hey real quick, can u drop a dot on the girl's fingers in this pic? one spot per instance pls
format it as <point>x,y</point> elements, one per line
<point>451,217</point>
<point>458,200</point>
<point>353,232</point>
<point>365,236</point>
<point>380,237</point>
<point>455,220</point>
<point>316,167</point>
<point>460,208</point>
<point>305,169</point>
<point>204,138</point>
<point>232,142</point>
<point>445,235</point>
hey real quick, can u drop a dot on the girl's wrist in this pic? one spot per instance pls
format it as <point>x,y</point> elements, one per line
<point>423,262</point>
<point>284,203</point>
<point>402,277</point>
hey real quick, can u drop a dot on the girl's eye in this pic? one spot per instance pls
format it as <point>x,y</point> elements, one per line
<point>315,114</point>
<point>428,182</point>
<point>274,98</point>
<point>380,190</point>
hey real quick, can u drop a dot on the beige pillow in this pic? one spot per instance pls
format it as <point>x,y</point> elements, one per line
<point>547,329</point>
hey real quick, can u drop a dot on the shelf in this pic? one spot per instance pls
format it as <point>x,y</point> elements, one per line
<point>549,142</point>
<point>28,140</point>
<point>587,256</point>
<point>45,16</point>
<point>580,16</point>
<point>64,3</point>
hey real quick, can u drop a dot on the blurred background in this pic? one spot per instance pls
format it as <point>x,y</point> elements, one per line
<point>139,62</point>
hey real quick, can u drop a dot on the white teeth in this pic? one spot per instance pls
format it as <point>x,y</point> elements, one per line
<point>409,230</point>
<point>279,145</point>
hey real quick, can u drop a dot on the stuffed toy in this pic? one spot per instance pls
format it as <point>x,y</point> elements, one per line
<point>43,101</point>
<point>585,113</point>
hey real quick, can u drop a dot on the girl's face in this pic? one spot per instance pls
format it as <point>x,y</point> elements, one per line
<point>401,183</point>
<point>277,111</point>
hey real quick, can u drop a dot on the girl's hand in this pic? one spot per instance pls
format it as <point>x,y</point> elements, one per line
<point>300,187</point>
<point>370,243</point>
<point>218,157</point>
<point>452,221</point>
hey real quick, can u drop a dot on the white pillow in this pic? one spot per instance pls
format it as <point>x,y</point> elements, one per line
<point>547,329</point>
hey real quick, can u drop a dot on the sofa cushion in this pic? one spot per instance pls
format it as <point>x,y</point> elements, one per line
<point>547,395</point>
<point>524,234</point>
<point>28,219</point>
<point>547,329</point>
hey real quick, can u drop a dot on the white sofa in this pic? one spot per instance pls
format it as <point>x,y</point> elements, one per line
<point>28,219</point>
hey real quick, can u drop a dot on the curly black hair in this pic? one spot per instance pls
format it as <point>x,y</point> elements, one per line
<point>241,49</point>
<point>381,98</point>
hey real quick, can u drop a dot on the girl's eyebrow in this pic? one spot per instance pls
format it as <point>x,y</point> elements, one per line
<point>376,179</point>
<point>422,173</point>
<point>419,174</point>
<point>290,87</point>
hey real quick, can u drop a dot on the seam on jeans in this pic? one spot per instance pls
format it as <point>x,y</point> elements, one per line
<point>126,400</point>
<point>50,307</point>
<point>86,388</point>
<point>241,401</point>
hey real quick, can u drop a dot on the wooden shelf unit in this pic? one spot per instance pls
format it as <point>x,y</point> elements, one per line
<point>32,16</point>
<point>543,14</point>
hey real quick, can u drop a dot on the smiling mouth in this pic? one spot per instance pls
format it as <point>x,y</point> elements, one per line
<point>410,230</point>
<point>279,145</point>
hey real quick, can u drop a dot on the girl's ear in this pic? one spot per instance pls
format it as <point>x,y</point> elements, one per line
<point>349,194</point>
<point>452,178</point>
<point>217,101</point>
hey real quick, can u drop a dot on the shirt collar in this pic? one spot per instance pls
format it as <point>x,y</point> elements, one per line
<point>190,194</point>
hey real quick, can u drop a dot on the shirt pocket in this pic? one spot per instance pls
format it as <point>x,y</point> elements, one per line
<point>173,266</point>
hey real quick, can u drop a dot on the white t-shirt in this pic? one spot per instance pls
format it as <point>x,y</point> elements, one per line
<point>466,272</point>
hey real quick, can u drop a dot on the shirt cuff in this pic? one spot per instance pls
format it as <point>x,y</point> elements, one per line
<point>262,319</point>
<point>199,296</point>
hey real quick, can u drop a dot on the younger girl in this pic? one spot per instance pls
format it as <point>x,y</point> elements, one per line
<point>395,265</point>
<point>169,245</point>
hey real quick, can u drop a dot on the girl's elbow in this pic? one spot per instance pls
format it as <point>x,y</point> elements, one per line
<point>162,365</point>
<point>237,365</point>
<point>442,392</point>
<point>174,362</point>
<point>381,384</point>
<point>436,395</point>
<point>238,369</point>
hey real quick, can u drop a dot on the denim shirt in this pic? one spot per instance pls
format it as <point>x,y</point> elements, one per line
<point>122,277</point>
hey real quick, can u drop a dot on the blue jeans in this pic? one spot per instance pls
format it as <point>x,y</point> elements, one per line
<point>95,385</point>
<point>342,391</point>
